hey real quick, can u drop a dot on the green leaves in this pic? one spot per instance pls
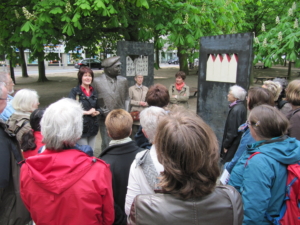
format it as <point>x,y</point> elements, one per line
<point>142,3</point>
<point>27,26</point>
<point>56,10</point>
<point>69,29</point>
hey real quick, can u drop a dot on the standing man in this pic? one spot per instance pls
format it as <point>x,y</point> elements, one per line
<point>9,110</point>
<point>112,92</point>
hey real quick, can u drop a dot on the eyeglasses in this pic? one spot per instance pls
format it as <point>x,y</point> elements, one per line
<point>252,123</point>
<point>4,99</point>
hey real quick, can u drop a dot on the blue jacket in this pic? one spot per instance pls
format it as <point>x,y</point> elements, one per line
<point>246,140</point>
<point>262,182</point>
<point>8,111</point>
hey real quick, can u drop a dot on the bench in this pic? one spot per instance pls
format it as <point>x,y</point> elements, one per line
<point>194,91</point>
<point>262,79</point>
<point>259,66</point>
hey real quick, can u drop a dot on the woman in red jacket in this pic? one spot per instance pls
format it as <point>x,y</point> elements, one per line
<point>64,185</point>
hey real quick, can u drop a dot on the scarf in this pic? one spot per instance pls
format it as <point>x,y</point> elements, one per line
<point>121,141</point>
<point>234,103</point>
<point>179,86</point>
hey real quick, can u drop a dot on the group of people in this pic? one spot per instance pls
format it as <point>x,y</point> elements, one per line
<point>167,174</point>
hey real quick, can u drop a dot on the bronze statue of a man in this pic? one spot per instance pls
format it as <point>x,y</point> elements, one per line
<point>112,92</point>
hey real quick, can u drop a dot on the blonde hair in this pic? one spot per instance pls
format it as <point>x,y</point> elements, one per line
<point>118,123</point>
<point>293,92</point>
<point>274,87</point>
<point>25,100</point>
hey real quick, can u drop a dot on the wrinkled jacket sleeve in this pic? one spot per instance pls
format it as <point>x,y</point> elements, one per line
<point>108,211</point>
<point>236,116</point>
<point>72,94</point>
<point>246,139</point>
<point>131,95</point>
<point>256,189</point>
<point>184,96</point>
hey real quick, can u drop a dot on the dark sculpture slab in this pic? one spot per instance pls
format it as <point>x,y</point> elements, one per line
<point>212,104</point>
<point>135,50</point>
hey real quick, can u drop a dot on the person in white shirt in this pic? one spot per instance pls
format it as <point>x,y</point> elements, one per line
<point>145,169</point>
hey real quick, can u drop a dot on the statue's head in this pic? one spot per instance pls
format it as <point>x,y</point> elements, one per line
<point>112,66</point>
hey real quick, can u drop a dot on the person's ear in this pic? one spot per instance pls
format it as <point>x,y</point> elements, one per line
<point>108,134</point>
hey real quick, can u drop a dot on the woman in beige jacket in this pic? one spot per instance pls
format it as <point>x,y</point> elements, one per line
<point>137,95</point>
<point>179,92</point>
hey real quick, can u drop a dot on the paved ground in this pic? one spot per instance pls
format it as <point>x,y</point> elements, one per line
<point>61,80</point>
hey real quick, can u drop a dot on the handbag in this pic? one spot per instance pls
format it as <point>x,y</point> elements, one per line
<point>135,115</point>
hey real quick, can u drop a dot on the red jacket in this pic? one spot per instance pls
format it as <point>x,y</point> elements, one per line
<point>67,187</point>
<point>38,142</point>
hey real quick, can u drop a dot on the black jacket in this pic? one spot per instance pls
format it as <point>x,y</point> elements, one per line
<point>90,123</point>
<point>120,157</point>
<point>231,138</point>
<point>12,209</point>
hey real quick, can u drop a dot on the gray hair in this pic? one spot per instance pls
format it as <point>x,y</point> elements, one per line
<point>149,120</point>
<point>24,100</point>
<point>238,92</point>
<point>2,85</point>
<point>3,77</point>
<point>61,124</point>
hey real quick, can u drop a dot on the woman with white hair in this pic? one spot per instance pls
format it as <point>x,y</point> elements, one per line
<point>236,116</point>
<point>24,103</point>
<point>145,169</point>
<point>63,185</point>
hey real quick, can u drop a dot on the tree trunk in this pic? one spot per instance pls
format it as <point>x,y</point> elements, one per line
<point>23,63</point>
<point>41,65</point>
<point>289,70</point>
<point>183,65</point>
<point>12,72</point>
<point>156,53</point>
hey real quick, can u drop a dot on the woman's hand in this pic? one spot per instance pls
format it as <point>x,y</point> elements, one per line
<point>90,112</point>
<point>96,113</point>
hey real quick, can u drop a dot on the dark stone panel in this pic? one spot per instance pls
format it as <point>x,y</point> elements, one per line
<point>212,104</point>
<point>125,48</point>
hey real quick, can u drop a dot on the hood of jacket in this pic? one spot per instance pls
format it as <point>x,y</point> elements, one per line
<point>285,151</point>
<point>57,171</point>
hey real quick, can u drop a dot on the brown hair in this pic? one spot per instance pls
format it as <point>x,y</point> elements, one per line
<point>268,122</point>
<point>258,96</point>
<point>158,95</point>
<point>180,74</point>
<point>293,92</point>
<point>188,149</point>
<point>82,71</point>
<point>118,123</point>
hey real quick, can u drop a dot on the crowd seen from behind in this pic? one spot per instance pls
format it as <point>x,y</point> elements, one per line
<point>162,163</point>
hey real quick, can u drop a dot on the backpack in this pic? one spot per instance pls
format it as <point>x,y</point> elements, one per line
<point>290,210</point>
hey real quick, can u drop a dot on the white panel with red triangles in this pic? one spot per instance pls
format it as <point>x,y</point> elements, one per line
<point>222,68</point>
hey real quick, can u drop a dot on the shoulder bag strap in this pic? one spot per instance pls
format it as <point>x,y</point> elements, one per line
<point>228,191</point>
<point>19,128</point>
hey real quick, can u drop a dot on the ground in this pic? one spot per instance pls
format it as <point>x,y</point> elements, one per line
<point>60,84</point>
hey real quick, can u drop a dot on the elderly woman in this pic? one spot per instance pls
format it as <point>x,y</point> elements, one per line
<point>145,169</point>
<point>256,96</point>
<point>293,97</point>
<point>87,96</point>
<point>188,184</point>
<point>179,92</point>
<point>236,116</point>
<point>64,185</point>
<point>260,175</point>
<point>137,95</point>
<point>24,103</point>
